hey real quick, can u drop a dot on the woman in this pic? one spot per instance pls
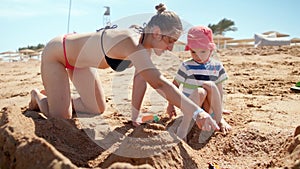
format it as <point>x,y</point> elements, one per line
<point>77,55</point>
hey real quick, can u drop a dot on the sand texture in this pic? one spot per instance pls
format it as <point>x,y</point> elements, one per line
<point>265,120</point>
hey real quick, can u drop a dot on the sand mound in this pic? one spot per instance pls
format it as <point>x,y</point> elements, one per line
<point>21,148</point>
<point>60,143</point>
<point>265,115</point>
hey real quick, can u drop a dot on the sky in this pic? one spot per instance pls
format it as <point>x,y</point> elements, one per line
<point>32,22</point>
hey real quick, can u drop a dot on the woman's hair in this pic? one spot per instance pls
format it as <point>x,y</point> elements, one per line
<point>168,22</point>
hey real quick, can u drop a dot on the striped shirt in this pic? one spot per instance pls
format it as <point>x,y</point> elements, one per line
<point>192,74</point>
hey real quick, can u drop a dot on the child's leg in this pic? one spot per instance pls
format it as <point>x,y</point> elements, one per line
<point>198,96</point>
<point>213,100</point>
<point>213,104</point>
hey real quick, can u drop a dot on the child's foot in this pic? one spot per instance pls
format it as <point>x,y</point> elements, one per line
<point>227,111</point>
<point>33,104</point>
<point>224,126</point>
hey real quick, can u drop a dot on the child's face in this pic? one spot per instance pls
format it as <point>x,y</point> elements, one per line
<point>200,55</point>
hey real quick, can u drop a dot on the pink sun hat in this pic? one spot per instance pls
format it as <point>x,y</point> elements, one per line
<point>200,37</point>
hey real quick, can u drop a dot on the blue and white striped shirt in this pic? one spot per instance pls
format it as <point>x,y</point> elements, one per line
<point>192,74</point>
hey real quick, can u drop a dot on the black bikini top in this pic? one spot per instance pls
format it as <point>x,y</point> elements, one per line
<point>116,64</point>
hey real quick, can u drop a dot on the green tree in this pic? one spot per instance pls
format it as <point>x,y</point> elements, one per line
<point>39,46</point>
<point>223,26</point>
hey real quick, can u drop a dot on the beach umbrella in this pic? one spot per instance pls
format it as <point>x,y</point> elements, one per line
<point>241,40</point>
<point>278,34</point>
<point>39,50</point>
<point>295,40</point>
<point>7,53</point>
<point>26,51</point>
<point>221,38</point>
<point>35,54</point>
<point>9,56</point>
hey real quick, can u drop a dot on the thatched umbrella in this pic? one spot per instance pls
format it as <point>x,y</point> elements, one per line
<point>26,51</point>
<point>40,50</point>
<point>8,52</point>
<point>295,40</point>
<point>221,39</point>
<point>9,55</point>
<point>241,40</point>
<point>278,34</point>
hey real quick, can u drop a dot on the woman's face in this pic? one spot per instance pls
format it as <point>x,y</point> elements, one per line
<point>200,55</point>
<point>165,43</point>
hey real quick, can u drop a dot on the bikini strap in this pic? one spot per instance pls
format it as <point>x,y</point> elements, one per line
<point>107,27</point>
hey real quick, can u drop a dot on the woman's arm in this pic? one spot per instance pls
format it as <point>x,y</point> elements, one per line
<point>170,109</point>
<point>175,97</point>
<point>142,62</point>
<point>138,92</point>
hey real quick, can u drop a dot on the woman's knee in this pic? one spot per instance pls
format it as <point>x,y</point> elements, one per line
<point>101,108</point>
<point>98,109</point>
<point>66,113</point>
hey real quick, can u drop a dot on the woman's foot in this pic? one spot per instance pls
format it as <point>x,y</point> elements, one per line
<point>33,103</point>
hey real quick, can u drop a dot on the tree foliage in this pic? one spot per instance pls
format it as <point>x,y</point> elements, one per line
<point>223,26</point>
<point>39,46</point>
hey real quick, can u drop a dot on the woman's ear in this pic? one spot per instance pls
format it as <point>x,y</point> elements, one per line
<point>156,33</point>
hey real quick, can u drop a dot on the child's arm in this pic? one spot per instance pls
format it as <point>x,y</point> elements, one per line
<point>171,109</point>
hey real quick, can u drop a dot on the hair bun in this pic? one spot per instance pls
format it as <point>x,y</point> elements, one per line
<point>160,8</point>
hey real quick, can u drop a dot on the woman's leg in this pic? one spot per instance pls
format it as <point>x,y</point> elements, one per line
<point>57,101</point>
<point>38,101</point>
<point>89,87</point>
<point>56,82</point>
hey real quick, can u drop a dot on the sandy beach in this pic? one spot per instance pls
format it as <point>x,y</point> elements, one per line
<point>265,115</point>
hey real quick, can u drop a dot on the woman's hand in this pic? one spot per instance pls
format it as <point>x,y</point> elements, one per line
<point>171,111</point>
<point>135,124</point>
<point>205,122</point>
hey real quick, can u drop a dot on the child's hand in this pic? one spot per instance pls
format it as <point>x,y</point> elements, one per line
<point>205,122</point>
<point>171,111</point>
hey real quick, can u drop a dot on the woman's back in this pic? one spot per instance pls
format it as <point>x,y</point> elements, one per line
<point>87,48</point>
